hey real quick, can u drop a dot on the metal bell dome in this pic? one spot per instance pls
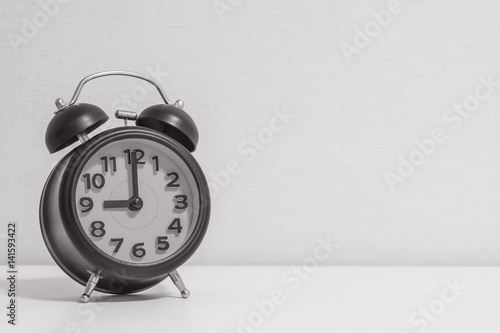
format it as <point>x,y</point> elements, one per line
<point>171,121</point>
<point>81,118</point>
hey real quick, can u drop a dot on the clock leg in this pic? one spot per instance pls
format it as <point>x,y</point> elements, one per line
<point>176,278</point>
<point>89,288</point>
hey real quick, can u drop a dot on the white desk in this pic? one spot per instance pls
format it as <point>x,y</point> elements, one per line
<point>330,299</point>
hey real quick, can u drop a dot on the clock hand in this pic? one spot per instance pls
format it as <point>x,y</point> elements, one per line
<point>116,203</point>
<point>131,204</point>
<point>135,180</point>
<point>135,202</point>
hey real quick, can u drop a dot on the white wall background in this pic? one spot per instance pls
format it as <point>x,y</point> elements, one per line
<point>323,175</point>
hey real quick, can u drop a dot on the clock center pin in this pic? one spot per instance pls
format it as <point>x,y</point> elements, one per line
<point>136,204</point>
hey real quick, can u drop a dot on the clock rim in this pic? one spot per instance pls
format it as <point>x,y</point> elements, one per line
<point>84,244</point>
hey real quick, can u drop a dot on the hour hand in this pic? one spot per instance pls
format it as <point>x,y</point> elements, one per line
<point>116,203</point>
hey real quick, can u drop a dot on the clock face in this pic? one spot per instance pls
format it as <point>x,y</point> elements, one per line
<point>136,200</point>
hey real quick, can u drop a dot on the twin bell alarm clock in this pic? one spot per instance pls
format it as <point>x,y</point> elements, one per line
<point>125,208</point>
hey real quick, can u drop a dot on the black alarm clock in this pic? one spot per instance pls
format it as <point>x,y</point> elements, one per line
<point>123,210</point>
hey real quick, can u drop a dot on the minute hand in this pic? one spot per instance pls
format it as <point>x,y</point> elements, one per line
<point>135,180</point>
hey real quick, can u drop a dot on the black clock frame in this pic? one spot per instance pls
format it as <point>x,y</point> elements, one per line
<point>70,246</point>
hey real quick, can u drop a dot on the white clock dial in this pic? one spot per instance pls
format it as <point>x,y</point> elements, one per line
<point>146,230</point>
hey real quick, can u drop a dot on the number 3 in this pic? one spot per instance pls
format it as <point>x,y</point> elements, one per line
<point>181,201</point>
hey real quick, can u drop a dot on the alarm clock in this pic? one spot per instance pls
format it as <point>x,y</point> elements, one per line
<point>125,208</point>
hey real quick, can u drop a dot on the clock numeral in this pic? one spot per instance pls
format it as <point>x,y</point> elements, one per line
<point>97,181</point>
<point>172,182</point>
<point>97,229</point>
<point>87,204</point>
<point>156,163</point>
<point>140,155</point>
<point>161,243</point>
<point>176,225</point>
<point>181,201</point>
<point>112,159</point>
<point>119,240</point>
<point>137,251</point>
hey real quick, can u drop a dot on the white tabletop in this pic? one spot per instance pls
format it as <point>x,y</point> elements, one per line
<point>267,299</point>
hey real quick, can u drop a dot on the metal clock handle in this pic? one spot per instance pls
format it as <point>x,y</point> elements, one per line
<point>122,73</point>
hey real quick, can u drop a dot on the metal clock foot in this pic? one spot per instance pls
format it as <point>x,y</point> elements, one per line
<point>89,288</point>
<point>176,278</point>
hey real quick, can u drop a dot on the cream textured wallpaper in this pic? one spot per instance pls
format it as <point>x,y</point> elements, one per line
<point>371,126</point>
